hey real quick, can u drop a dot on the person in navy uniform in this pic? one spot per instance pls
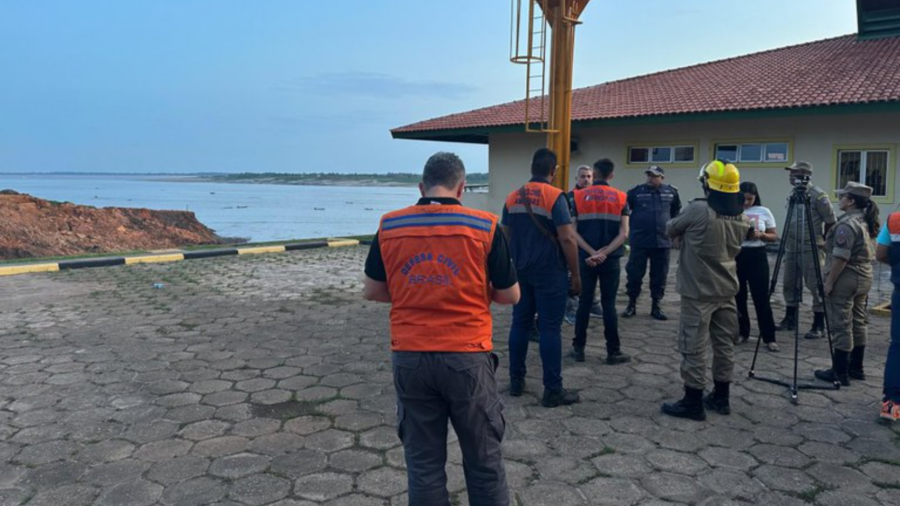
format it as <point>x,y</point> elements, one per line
<point>652,205</point>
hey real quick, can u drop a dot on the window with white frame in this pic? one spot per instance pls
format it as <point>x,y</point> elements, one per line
<point>661,154</point>
<point>869,167</point>
<point>753,152</point>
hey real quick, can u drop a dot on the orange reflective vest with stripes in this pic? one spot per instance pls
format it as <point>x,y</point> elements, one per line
<point>599,213</point>
<point>893,225</point>
<point>435,257</point>
<point>531,249</point>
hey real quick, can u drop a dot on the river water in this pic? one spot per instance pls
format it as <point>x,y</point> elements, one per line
<point>256,212</point>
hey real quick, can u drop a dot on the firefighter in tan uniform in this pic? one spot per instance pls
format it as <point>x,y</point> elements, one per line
<point>848,278</point>
<point>710,231</point>
<point>822,219</point>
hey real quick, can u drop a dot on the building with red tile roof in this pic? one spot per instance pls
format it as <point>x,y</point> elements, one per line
<point>839,72</point>
<point>834,103</point>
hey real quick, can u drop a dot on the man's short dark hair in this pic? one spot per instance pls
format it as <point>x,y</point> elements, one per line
<point>603,168</point>
<point>444,169</point>
<point>543,163</point>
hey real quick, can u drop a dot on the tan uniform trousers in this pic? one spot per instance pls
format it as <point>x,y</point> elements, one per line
<point>704,324</point>
<point>809,277</point>
<point>847,310</point>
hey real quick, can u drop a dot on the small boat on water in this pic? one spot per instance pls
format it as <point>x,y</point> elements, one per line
<point>318,209</point>
<point>369,209</point>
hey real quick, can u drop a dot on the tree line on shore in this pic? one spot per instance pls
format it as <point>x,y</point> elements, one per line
<point>335,177</point>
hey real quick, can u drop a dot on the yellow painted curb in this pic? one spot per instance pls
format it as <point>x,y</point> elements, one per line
<point>261,249</point>
<point>337,243</point>
<point>26,269</point>
<point>882,309</point>
<point>152,259</point>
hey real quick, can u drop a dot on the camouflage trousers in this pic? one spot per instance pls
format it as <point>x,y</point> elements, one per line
<point>706,325</point>
<point>808,277</point>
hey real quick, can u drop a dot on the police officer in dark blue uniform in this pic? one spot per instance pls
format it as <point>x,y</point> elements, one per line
<point>652,205</point>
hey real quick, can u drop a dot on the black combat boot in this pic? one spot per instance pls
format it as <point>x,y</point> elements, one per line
<point>717,400</point>
<point>630,309</point>
<point>578,353</point>
<point>855,369</point>
<point>838,371</point>
<point>657,313</point>
<point>818,327</point>
<point>691,406</point>
<point>617,357</point>
<point>790,320</point>
<point>561,397</point>
<point>516,386</point>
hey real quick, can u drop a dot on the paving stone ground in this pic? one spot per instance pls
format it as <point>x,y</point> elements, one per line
<point>265,380</point>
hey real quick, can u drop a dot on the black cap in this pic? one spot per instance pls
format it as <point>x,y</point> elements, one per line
<point>655,170</point>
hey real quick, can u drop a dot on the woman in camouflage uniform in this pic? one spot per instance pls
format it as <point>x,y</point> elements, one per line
<point>848,278</point>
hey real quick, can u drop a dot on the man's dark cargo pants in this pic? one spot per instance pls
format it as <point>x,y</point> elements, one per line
<point>432,389</point>
<point>636,267</point>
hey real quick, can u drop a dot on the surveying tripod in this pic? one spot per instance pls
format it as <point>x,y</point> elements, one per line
<point>799,198</point>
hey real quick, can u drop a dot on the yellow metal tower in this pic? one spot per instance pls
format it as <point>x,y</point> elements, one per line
<point>549,113</point>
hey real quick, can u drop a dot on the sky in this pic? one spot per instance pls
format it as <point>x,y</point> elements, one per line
<point>304,86</point>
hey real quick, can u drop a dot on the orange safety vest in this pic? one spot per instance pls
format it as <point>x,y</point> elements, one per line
<point>893,225</point>
<point>599,208</point>
<point>541,196</point>
<point>435,257</point>
<point>600,202</point>
<point>529,247</point>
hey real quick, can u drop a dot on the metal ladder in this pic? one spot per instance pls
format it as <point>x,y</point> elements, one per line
<point>537,101</point>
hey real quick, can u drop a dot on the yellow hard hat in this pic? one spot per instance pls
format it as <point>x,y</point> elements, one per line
<point>721,176</point>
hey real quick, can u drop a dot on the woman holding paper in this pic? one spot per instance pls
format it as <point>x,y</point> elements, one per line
<point>753,268</point>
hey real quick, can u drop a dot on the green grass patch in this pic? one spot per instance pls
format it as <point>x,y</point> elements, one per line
<point>592,476</point>
<point>324,297</point>
<point>606,450</point>
<point>809,495</point>
<point>890,462</point>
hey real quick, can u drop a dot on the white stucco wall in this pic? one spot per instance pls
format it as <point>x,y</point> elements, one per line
<point>813,138</point>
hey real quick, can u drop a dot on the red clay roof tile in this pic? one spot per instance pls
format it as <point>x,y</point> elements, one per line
<point>838,71</point>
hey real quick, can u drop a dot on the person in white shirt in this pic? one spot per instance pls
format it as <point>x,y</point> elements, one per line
<point>753,268</point>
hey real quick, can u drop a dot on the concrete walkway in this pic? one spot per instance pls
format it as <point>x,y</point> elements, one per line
<point>265,380</point>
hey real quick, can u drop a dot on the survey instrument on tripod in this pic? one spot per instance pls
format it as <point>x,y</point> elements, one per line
<point>799,198</point>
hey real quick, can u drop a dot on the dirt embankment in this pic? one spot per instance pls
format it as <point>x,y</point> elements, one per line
<point>32,227</point>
